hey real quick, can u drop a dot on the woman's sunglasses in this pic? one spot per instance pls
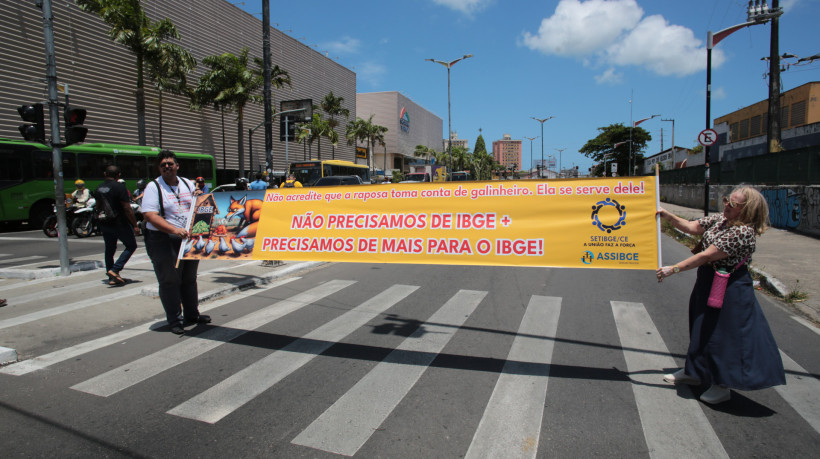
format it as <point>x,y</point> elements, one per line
<point>728,202</point>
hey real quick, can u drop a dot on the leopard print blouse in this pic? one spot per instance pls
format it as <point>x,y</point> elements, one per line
<point>737,241</point>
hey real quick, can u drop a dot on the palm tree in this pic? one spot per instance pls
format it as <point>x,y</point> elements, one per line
<point>231,85</point>
<point>332,105</point>
<point>168,69</point>
<point>461,157</point>
<point>315,129</point>
<point>365,131</point>
<point>423,151</point>
<point>142,36</point>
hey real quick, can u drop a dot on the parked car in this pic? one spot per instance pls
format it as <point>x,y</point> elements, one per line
<point>339,180</point>
<point>226,187</point>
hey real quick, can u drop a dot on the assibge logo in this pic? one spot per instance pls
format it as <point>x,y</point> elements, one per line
<point>596,220</point>
<point>587,258</point>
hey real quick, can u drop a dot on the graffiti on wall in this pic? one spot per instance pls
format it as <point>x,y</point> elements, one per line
<point>785,210</point>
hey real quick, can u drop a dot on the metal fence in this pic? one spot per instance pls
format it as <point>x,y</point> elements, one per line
<point>794,167</point>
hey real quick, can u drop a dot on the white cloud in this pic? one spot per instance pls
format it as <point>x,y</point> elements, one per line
<point>718,93</point>
<point>579,28</point>
<point>613,32</point>
<point>465,6</point>
<point>663,48</point>
<point>370,72</point>
<point>345,45</point>
<point>610,76</point>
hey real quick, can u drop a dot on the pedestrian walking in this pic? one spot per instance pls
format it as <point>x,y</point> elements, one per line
<point>730,343</point>
<point>166,204</point>
<point>117,223</point>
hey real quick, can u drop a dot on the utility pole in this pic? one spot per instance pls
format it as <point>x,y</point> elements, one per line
<point>773,129</point>
<point>266,90</point>
<point>673,139</point>
<point>56,147</point>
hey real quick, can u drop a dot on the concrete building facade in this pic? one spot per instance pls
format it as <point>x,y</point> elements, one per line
<point>463,143</point>
<point>101,77</point>
<point>408,125</point>
<point>507,152</point>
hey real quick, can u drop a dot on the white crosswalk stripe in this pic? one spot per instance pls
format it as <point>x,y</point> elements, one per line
<point>232,393</point>
<point>511,424</point>
<point>672,420</point>
<point>132,373</point>
<point>671,423</point>
<point>350,422</point>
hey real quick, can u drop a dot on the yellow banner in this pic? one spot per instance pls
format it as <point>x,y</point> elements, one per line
<point>578,223</point>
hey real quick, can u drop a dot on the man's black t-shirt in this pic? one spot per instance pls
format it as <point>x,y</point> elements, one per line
<point>115,193</point>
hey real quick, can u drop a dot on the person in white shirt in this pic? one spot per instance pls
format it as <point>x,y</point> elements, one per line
<point>165,206</point>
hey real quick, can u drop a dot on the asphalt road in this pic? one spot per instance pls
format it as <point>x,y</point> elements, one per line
<point>373,360</point>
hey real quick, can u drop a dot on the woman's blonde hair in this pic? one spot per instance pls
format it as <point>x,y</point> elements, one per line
<point>755,212</point>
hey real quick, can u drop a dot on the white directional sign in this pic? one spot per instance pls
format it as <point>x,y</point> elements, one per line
<point>707,137</point>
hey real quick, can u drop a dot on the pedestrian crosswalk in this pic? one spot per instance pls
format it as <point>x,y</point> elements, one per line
<point>511,421</point>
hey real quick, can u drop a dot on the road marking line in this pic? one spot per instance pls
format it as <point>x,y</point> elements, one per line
<point>807,324</point>
<point>14,260</point>
<point>44,361</point>
<point>234,392</point>
<point>511,424</point>
<point>801,391</point>
<point>119,294</point>
<point>673,426</point>
<point>55,240</point>
<point>131,373</point>
<point>348,424</point>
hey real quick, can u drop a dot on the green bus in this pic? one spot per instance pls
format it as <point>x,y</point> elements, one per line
<point>308,172</point>
<point>27,181</point>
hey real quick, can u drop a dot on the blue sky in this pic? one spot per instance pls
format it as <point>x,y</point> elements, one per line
<point>581,61</point>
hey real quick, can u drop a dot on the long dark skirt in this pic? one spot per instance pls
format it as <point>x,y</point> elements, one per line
<point>733,345</point>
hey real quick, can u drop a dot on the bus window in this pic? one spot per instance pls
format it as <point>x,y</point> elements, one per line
<point>91,166</point>
<point>69,166</point>
<point>43,166</point>
<point>12,170</point>
<point>188,168</point>
<point>132,167</point>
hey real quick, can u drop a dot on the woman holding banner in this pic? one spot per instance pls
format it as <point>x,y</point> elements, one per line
<point>730,343</point>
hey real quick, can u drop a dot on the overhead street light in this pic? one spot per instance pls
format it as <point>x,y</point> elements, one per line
<point>560,154</point>
<point>542,120</point>
<point>631,171</point>
<point>531,139</point>
<point>449,120</point>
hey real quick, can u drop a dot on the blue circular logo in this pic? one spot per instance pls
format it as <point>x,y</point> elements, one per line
<point>587,258</point>
<point>621,215</point>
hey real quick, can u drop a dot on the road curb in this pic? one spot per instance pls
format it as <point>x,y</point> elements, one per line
<point>7,355</point>
<point>85,265</point>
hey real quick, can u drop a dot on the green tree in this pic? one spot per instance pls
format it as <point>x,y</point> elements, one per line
<point>423,151</point>
<point>332,105</point>
<point>168,69</point>
<point>365,131</point>
<point>142,36</point>
<point>613,144</point>
<point>480,146</point>
<point>314,130</point>
<point>461,157</point>
<point>230,85</point>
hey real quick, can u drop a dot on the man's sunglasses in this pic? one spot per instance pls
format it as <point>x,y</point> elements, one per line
<point>167,165</point>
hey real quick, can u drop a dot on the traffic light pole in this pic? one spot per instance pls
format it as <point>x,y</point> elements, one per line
<point>56,152</point>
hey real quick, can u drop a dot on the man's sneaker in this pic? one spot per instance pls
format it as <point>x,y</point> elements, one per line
<point>680,377</point>
<point>177,330</point>
<point>716,394</point>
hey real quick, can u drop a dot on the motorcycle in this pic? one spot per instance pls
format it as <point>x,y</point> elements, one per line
<point>85,220</point>
<point>50,224</point>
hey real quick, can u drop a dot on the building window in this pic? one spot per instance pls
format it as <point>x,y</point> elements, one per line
<point>735,132</point>
<point>784,117</point>
<point>798,113</point>
<point>744,129</point>
<point>754,128</point>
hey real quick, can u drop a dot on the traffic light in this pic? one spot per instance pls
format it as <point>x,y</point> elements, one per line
<point>291,128</point>
<point>74,118</point>
<point>35,132</point>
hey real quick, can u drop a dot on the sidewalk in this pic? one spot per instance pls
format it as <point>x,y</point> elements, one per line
<point>786,262</point>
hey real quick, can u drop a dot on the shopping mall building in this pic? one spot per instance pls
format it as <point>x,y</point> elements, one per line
<point>100,76</point>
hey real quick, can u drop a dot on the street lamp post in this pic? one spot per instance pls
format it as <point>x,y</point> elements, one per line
<point>560,154</point>
<point>269,161</point>
<point>631,171</point>
<point>531,139</point>
<point>449,121</point>
<point>542,120</point>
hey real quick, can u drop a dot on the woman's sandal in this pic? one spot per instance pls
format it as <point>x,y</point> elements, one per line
<point>114,278</point>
